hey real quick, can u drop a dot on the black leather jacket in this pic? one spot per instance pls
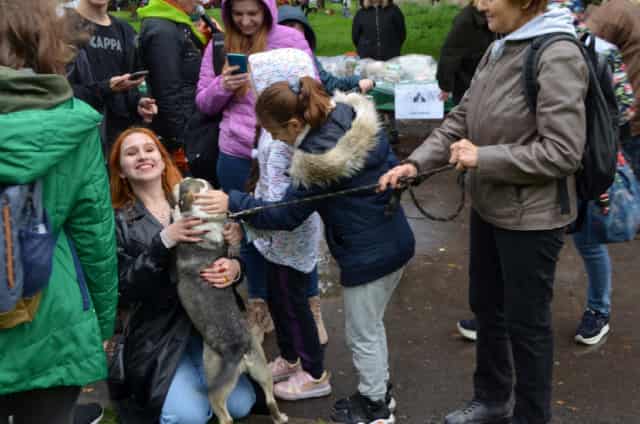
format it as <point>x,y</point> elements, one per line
<point>159,328</point>
<point>172,55</point>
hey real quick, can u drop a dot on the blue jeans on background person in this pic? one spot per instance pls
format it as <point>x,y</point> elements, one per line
<point>233,173</point>
<point>187,401</point>
<point>598,267</point>
<point>631,150</point>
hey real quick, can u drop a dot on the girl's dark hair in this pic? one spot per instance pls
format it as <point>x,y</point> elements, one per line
<point>33,35</point>
<point>279,104</point>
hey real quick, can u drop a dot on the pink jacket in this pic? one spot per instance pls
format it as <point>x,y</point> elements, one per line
<point>237,129</point>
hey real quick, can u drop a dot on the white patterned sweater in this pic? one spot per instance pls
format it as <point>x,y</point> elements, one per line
<point>299,248</point>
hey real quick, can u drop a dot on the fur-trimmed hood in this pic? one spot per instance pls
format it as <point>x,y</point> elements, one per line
<point>345,145</point>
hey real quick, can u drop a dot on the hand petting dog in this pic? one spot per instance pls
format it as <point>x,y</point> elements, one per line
<point>213,201</point>
<point>222,273</point>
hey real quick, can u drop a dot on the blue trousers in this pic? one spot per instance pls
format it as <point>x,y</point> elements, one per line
<point>232,175</point>
<point>597,264</point>
<point>187,401</point>
<point>631,150</point>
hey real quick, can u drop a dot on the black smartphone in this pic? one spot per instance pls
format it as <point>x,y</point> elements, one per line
<point>238,59</point>
<point>138,75</point>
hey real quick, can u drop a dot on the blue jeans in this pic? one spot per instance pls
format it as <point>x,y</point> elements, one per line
<point>631,150</point>
<point>314,290</point>
<point>187,401</point>
<point>232,175</point>
<point>598,266</point>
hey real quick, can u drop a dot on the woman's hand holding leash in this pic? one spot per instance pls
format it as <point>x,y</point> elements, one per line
<point>222,273</point>
<point>213,201</point>
<point>464,154</point>
<point>394,175</point>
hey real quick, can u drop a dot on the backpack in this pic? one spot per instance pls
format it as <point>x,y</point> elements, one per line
<point>598,168</point>
<point>26,252</point>
<point>200,136</point>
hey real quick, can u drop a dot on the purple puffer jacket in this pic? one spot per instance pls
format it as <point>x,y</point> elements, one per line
<point>237,129</point>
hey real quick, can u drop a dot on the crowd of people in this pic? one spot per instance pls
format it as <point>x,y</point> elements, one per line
<point>100,114</point>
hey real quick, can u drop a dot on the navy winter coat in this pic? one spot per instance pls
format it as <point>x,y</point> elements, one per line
<point>348,151</point>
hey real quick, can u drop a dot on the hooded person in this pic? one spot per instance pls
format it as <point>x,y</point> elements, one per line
<point>171,46</point>
<point>250,27</point>
<point>47,135</point>
<point>516,160</point>
<point>294,17</point>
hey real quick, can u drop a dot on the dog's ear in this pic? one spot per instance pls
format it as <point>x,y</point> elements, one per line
<point>176,193</point>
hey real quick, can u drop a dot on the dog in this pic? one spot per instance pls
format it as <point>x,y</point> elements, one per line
<point>230,348</point>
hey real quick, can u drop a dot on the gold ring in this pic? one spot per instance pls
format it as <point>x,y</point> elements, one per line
<point>226,279</point>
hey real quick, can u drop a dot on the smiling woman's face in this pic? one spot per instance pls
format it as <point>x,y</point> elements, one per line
<point>140,159</point>
<point>503,16</point>
<point>248,16</point>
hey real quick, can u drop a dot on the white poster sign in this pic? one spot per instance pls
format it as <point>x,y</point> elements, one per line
<point>418,101</point>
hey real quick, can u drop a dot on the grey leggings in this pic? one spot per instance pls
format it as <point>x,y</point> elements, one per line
<point>52,406</point>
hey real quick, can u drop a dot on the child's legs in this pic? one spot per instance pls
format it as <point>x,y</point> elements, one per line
<point>296,330</point>
<point>364,307</point>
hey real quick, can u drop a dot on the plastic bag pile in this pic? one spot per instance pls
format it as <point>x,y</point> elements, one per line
<point>412,67</point>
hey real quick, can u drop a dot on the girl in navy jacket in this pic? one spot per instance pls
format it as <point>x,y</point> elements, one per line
<point>339,145</point>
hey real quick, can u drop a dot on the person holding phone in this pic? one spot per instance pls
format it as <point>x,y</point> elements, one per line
<point>250,27</point>
<point>170,46</point>
<point>109,55</point>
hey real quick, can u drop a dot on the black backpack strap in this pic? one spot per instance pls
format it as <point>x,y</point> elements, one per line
<point>217,55</point>
<point>531,86</point>
<point>530,70</point>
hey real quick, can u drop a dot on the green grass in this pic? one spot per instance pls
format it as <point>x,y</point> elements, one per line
<point>427,27</point>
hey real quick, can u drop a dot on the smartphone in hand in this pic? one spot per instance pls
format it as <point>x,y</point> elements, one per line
<point>238,59</point>
<point>138,75</point>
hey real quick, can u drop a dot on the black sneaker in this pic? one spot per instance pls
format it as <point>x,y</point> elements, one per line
<point>90,413</point>
<point>468,328</point>
<point>593,327</point>
<point>476,412</point>
<point>388,397</point>
<point>362,410</point>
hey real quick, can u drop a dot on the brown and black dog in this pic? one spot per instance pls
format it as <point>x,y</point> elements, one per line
<point>230,347</point>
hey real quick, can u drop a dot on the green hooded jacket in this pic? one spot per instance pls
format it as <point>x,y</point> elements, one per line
<point>45,133</point>
<point>163,10</point>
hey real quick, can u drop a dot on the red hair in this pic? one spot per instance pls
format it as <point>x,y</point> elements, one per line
<point>121,192</point>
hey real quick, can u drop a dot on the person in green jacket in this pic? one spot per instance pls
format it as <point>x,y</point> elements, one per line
<point>48,135</point>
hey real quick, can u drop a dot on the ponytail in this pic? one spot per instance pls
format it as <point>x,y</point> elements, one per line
<point>279,103</point>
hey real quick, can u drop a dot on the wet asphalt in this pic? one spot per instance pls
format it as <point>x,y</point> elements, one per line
<point>432,366</point>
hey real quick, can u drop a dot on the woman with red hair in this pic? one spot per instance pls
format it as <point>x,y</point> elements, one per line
<point>163,352</point>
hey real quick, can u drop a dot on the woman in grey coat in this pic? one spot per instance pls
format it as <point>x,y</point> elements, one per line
<point>517,162</point>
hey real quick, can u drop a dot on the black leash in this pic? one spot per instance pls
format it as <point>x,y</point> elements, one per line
<point>405,183</point>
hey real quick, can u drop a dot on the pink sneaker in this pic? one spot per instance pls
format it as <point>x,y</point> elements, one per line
<point>302,386</point>
<point>281,369</point>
